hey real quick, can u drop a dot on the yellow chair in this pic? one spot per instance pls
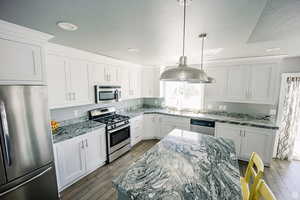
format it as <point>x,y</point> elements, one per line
<point>262,191</point>
<point>254,173</point>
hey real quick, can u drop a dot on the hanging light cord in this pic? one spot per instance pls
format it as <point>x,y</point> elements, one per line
<point>184,16</point>
<point>202,53</point>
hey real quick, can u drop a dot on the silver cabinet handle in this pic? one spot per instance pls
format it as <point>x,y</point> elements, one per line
<point>82,144</point>
<point>244,133</point>
<point>86,143</point>
<point>5,133</point>
<point>241,133</point>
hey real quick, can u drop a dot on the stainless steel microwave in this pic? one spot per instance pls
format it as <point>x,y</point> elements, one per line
<point>106,94</point>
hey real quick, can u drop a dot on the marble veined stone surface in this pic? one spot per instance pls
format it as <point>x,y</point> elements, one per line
<point>184,165</point>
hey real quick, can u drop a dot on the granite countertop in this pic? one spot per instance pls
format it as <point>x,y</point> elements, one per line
<point>245,120</point>
<point>73,130</point>
<point>183,165</point>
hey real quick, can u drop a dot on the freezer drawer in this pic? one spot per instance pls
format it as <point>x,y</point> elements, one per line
<point>42,186</point>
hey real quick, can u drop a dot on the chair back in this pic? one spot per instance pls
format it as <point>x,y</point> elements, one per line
<point>262,191</point>
<point>254,172</point>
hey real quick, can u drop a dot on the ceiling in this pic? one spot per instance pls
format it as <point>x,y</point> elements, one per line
<point>238,28</point>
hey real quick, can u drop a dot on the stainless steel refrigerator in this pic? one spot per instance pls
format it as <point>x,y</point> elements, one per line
<point>26,156</point>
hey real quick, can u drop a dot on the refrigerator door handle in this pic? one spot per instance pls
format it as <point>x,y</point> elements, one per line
<point>5,133</point>
<point>24,183</point>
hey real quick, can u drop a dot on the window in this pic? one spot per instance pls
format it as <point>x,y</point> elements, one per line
<point>184,96</point>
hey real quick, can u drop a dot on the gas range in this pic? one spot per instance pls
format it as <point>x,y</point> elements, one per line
<point>113,121</point>
<point>117,131</point>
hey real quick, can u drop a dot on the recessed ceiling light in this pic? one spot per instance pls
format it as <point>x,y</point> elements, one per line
<point>67,26</point>
<point>273,49</point>
<point>133,50</point>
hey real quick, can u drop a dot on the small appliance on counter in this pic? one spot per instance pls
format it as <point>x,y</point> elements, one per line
<point>106,94</point>
<point>117,131</point>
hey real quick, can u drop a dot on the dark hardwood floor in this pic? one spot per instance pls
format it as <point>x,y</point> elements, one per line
<point>283,177</point>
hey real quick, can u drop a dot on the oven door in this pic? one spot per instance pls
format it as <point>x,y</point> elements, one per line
<point>118,138</point>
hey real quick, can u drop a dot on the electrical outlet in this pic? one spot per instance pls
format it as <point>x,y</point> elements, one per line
<point>273,112</point>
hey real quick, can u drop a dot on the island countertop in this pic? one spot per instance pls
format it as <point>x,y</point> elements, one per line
<point>184,165</point>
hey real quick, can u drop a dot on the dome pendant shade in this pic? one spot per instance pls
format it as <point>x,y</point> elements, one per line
<point>185,73</point>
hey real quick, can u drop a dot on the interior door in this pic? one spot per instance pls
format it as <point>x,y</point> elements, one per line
<point>25,129</point>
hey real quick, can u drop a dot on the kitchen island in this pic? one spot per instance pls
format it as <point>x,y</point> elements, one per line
<point>183,165</point>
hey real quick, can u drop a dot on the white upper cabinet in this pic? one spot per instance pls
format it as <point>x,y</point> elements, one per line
<point>22,54</point>
<point>57,81</point>
<point>68,82</point>
<point>105,74</point>
<point>79,82</point>
<point>20,61</point>
<point>262,83</point>
<point>251,83</point>
<point>237,82</point>
<point>216,91</point>
<point>131,83</point>
<point>150,82</point>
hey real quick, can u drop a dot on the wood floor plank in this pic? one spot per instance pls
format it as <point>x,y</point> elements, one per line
<point>283,177</point>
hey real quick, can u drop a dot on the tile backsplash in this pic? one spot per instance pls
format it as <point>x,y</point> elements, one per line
<point>81,112</point>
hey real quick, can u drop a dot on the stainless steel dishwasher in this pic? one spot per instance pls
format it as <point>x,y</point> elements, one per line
<point>206,127</point>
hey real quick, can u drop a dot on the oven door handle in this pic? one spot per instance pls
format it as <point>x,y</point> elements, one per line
<point>119,128</point>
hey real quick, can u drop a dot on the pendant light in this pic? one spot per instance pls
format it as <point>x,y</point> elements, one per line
<point>183,72</point>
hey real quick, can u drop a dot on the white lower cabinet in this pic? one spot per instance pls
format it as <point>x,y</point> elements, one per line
<point>136,129</point>
<point>151,127</point>
<point>76,157</point>
<point>248,140</point>
<point>168,123</point>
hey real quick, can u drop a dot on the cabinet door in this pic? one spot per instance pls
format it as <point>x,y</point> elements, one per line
<point>150,83</point>
<point>124,81</point>
<point>216,91</point>
<point>165,129</point>
<point>98,73</point>
<point>136,129</point>
<point>112,75</point>
<point>230,132</point>
<point>57,81</point>
<point>79,82</point>
<point>95,146</point>
<point>259,141</point>
<point>135,83</point>
<point>150,126</point>
<point>20,61</point>
<point>237,82</point>
<point>260,89</point>
<point>71,160</point>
